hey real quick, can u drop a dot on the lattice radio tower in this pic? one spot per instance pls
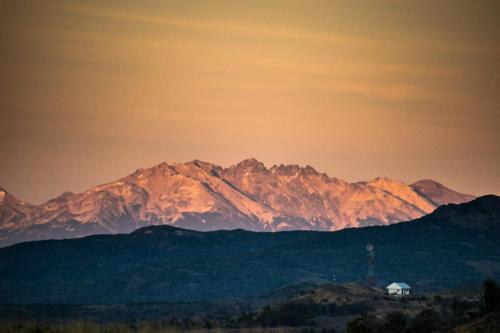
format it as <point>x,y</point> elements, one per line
<point>371,264</point>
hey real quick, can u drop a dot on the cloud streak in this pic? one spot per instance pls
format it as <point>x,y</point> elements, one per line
<point>407,89</point>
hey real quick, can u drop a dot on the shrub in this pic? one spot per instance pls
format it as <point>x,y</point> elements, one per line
<point>395,322</point>
<point>426,321</point>
<point>358,325</point>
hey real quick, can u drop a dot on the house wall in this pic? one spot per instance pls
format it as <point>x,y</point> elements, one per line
<point>397,291</point>
<point>393,291</point>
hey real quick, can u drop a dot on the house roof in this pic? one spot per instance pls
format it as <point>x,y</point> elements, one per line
<point>400,285</point>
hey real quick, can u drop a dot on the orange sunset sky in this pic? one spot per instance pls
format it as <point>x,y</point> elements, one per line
<point>92,90</point>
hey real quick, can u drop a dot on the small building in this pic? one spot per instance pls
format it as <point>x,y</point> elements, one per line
<point>398,288</point>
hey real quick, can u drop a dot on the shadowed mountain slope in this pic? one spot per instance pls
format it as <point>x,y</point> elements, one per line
<point>454,245</point>
<point>438,194</point>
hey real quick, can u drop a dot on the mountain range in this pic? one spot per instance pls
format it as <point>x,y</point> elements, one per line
<point>203,196</point>
<point>454,246</point>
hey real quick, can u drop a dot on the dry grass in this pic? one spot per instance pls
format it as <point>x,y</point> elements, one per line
<point>90,327</point>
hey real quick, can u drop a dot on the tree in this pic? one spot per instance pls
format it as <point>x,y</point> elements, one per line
<point>491,297</point>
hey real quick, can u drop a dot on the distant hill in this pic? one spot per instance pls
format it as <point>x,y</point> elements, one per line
<point>203,196</point>
<point>438,194</point>
<point>455,245</point>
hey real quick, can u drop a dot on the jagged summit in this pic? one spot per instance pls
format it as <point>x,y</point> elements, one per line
<point>251,163</point>
<point>204,196</point>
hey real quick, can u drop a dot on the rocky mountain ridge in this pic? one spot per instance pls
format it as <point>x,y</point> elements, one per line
<point>204,196</point>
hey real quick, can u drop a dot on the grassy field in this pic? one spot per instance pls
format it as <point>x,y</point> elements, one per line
<point>89,327</point>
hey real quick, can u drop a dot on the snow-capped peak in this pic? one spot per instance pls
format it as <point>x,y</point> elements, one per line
<point>201,195</point>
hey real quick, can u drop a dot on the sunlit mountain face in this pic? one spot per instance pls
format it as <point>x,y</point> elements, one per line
<point>204,196</point>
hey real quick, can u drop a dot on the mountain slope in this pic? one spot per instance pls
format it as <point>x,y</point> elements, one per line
<point>438,194</point>
<point>13,212</point>
<point>203,196</point>
<point>456,244</point>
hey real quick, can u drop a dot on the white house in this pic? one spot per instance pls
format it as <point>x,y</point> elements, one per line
<point>398,288</point>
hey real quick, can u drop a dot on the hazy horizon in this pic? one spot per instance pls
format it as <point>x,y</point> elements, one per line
<point>92,90</point>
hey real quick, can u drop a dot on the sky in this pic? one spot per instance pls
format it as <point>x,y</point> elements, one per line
<point>92,90</point>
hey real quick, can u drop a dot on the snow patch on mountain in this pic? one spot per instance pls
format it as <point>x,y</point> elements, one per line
<point>205,196</point>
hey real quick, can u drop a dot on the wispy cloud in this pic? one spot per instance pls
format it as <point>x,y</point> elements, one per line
<point>269,30</point>
<point>389,40</point>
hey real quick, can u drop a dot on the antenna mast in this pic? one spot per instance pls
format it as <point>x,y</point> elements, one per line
<point>371,265</point>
